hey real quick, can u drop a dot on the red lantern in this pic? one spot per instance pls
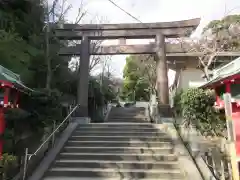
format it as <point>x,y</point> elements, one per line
<point>8,99</point>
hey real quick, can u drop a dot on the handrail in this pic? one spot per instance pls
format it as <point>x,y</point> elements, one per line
<point>65,119</point>
<point>29,156</point>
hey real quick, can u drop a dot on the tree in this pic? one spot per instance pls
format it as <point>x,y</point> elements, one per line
<point>218,36</point>
<point>139,77</point>
<point>223,36</point>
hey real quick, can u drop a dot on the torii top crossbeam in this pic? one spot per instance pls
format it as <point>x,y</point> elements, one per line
<point>131,30</point>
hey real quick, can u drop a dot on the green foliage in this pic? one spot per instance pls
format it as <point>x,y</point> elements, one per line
<point>197,107</point>
<point>177,103</point>
<point>101,93</point>
<point>139,75</point>
<point>22,50</point>
<point>46,107</point>
<point>8,163</point>
<point>223,32</point>
<point>225,23</point>
<point>99,96</point>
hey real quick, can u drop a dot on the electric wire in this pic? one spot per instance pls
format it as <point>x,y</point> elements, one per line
<point>129,14</point>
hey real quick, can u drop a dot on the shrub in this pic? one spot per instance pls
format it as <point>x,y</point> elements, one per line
<point>177,103</point>
<point>197,107</point>
<point>8,164</point>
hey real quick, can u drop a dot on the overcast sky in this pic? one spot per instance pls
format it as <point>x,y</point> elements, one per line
<point>153,11</point>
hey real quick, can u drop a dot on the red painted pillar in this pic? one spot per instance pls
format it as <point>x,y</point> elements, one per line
<point>228,87</point>
<point>2,129</point>
<point>16,99</point>
<point>2,119</point>
<point>6,97</point>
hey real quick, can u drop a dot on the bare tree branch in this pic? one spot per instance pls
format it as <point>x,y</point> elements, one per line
<point>59,14</point>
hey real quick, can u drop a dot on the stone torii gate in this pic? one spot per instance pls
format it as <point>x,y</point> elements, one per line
<point>158,31</point>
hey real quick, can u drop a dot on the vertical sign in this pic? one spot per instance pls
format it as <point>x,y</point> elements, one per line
<point>231,135</point>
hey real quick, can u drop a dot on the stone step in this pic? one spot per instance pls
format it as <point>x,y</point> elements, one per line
<point>117,150</point>
<point>127,115</point>
<point>133,117</point>
<point>118,144</point>
<point>129,108</point>
<point>122,112</point>
<point>87,178</point>
<point>127,120</point>
<point>121,138</point>
<point>115,164</point>
<point>117,125</point>
<point>123,118</point>
<point>117,129</point>
<point>118,157</point>
<point>117,133</point>
<point>114,173</point>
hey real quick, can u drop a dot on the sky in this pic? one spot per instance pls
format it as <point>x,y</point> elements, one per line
<point>151,11</point>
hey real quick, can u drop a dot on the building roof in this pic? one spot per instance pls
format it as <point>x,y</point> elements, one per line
<point>224,72</point>
<point>9,76</point>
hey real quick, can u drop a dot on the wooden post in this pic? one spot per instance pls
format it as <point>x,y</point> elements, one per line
<point>162,70</point>
<point>231,135</point>
<point>83,79</point>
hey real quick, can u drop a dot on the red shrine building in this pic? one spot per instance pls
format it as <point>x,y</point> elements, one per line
<point>10,88</point>
<point>226,79</point>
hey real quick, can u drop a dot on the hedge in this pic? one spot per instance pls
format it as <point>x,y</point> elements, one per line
<point>196,106</point>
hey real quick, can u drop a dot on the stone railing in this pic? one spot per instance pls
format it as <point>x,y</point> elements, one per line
<point>152,110</point>
<point>210,151</point>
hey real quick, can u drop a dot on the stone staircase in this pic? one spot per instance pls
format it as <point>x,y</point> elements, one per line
<point>125,147</point>
<point>127,115</point>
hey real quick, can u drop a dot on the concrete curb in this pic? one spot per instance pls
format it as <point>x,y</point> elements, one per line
<point>186,162</point>
<point>205,171</point>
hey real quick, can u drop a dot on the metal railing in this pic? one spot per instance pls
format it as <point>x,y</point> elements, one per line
<point>52,137</point>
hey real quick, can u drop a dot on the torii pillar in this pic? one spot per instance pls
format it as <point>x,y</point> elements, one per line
<point>83,78</point>
<point>162,76</point>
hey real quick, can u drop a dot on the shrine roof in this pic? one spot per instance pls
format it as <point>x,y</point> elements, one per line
<point>228,71</point>
<point>9,76</point>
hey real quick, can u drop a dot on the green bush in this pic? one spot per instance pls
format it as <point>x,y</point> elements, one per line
<point>197,106</point>
<point>8,164</point>
<point>177,103</point>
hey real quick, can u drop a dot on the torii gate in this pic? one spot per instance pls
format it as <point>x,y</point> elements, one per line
<point>88,32</point>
